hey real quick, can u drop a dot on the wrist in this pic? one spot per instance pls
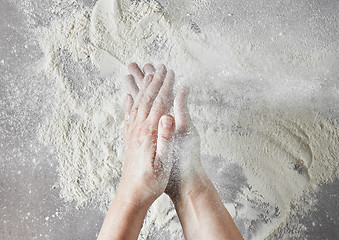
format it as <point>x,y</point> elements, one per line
<point>121,215</point>
<point>132,199</point>
<point>190,189</point>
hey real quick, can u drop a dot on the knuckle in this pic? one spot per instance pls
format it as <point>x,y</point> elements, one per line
<point>154,119</point>
<point>152,124</point>
<point>163,101</point>
<point>161,104</point>
<point>165,137</point>
<point>145,131</point>
<point>148,99</point>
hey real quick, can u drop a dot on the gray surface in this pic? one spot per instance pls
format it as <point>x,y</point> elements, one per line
<point>30,207</point>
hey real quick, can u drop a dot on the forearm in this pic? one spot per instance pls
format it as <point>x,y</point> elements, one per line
<point>203,215</point>
<point>123,220</point>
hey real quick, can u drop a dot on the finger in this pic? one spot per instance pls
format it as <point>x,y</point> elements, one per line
<point>164,101</point>
<point>129,104</point>
<point>138,100</point>
<point>152,92</point>
<point>181,112</point>
<point>138,75</point>
<point>131,86</point>
<point>166,129</point>
<point>149,68</point>
<point>128,108</point>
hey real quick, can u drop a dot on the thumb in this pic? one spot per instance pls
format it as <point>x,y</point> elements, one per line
<point>166,130</point>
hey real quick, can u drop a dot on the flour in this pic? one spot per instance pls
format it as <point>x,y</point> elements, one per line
<point>284,151</point>
<point>86,118</point>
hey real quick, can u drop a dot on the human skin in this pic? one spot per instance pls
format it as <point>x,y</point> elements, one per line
<point>197,202</point>
<point>148,133</point>
<point>199,207</point>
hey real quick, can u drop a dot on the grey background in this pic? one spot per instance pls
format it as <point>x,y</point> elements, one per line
<point>30,207</point>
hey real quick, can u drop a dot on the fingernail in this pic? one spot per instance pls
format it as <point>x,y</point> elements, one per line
<point>167,122</point>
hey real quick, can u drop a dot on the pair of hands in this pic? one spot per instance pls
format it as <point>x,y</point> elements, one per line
<point>163,155</point>
<point>154,163</point>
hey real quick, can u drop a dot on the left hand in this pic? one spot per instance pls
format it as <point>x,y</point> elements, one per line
<point>148,133</point>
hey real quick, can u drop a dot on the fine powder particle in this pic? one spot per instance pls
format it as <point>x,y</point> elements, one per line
<point>284,152</point>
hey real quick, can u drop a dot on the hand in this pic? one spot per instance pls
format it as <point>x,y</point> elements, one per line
<point>187,175</point>
<point>148,134</point>
<point>200,209</point>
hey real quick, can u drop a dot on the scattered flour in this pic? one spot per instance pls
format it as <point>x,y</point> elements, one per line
<point>284,151</point>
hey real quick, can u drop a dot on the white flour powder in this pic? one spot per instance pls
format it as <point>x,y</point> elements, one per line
<point>284,151</point>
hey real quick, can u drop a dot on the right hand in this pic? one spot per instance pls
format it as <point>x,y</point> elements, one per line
<point>187,175</point>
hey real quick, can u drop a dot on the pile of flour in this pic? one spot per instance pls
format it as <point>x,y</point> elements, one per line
<point>284,151</point>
